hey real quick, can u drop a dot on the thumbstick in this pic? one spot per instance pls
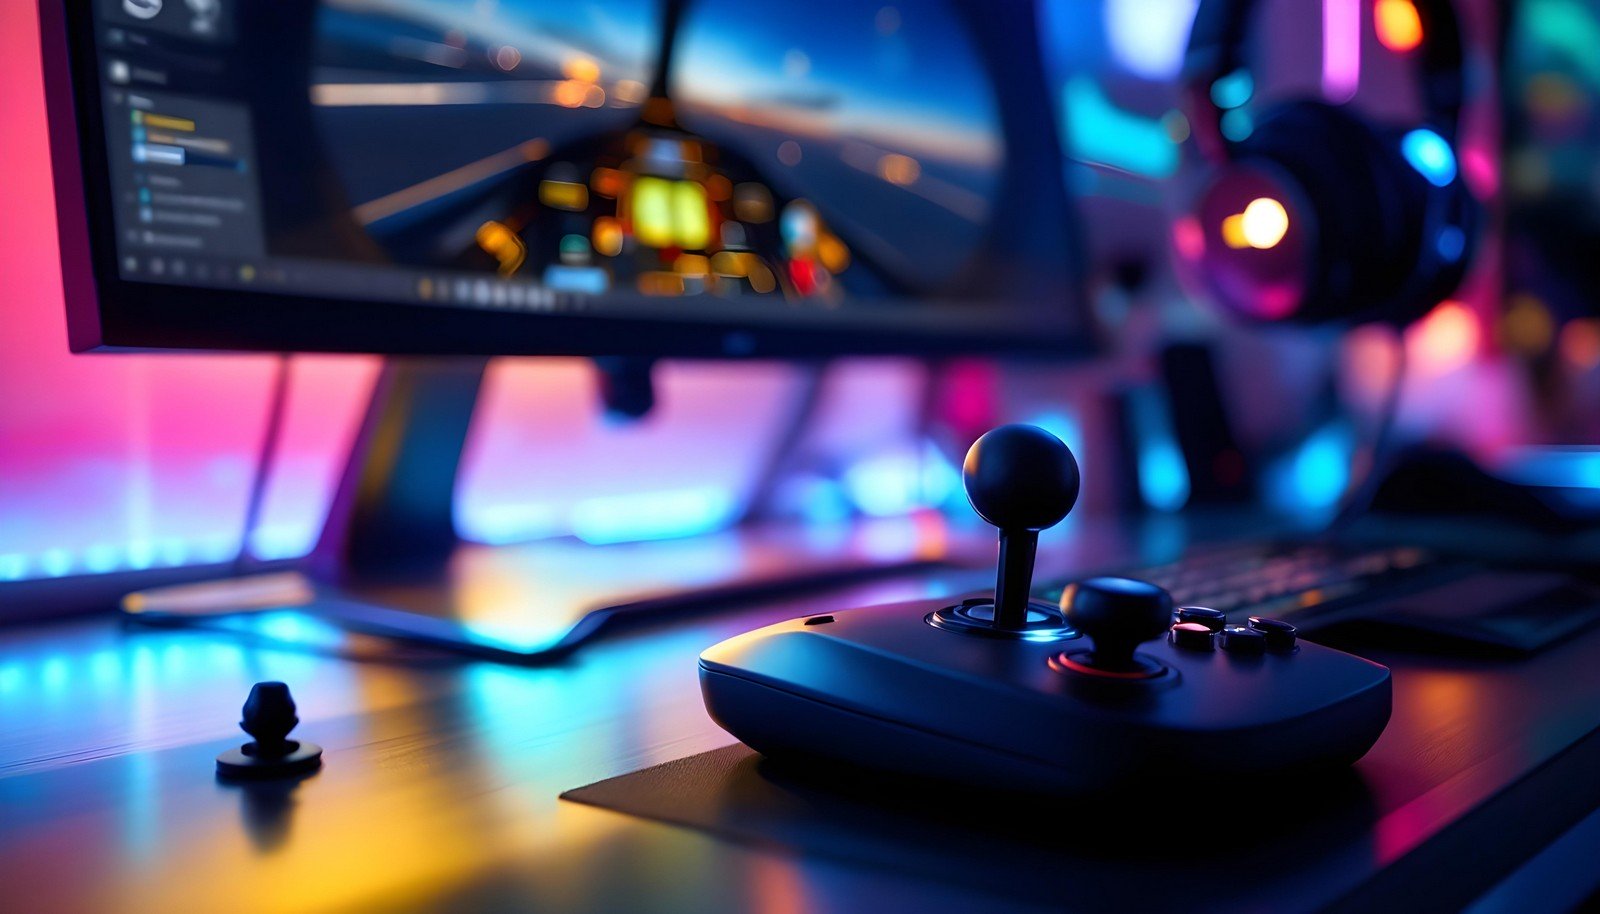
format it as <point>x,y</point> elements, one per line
<point>1021,479</point>
<point>1118,614</point>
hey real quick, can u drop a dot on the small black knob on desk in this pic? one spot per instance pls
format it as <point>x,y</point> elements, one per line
<point>269,716</point>
<point>1118,614</point>
<point>1021,479</point>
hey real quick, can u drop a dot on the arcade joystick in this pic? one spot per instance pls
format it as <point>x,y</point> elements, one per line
<point>1021,479</point>
<point>269,716</point>
<point>905,688</point>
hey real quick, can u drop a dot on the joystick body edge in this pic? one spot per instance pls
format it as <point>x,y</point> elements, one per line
<point>1006,693</point>
<point>881,689</point>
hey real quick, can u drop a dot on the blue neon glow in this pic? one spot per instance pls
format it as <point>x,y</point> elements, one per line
<point>1312,478</point>
<point>1567,27</point>
<point>1065,427</point>
<point>282,541</point>
<point>1451,243</point>
<point>901,480</point>
<point>653,515</point>
<point>1430,155</point>
<point>13,567</point>
<point>1101,133</point>
<point>568,278</point>
<point>1148,37</point>
<point>55,562</point>
<point>1163,474</point>
<point>1557,467</point>
<point>508,523</point>
<point>101,558</point>
<point>1233,90</point>
<point>1237,125</point>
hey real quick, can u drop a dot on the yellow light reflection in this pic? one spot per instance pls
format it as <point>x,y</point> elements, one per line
<point>1233,232</point>
<point>504,245</point>
<point>567,195</point>
<point>660,282</point>
<point>899,169</point>
<point>833,253</point>
<point>1527,326</point>
<point>607,236</point>
<point>690,216</point>
<point>727,263</point>
<point>581,69</point>
<point>651,200</point>
<point>1265,223</point>
<point>1398,26</point>
<point>692,264</point>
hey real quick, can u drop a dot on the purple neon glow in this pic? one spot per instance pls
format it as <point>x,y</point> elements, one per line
<point>1341,49</point>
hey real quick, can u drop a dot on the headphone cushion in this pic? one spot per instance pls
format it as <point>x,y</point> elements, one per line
<point>1368,205</point>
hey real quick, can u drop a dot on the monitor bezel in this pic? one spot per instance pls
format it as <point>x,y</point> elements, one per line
<point>106,312</point>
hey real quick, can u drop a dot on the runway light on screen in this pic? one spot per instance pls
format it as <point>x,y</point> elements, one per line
<point>1398,25</point>
<point>1430,154</point>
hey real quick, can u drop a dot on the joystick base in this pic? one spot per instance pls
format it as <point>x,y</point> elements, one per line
<point>883,689</point>
<point>243,762</point>
<point>975,616</point>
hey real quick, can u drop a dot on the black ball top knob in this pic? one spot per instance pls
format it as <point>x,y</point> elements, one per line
<point>269,714</point>
<point>1020,477</point>
<point>1118,614</point>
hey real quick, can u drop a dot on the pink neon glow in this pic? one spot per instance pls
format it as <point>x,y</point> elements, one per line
<point>1189,238</point>
<point>1483,175</point>
<point>1341,49</point>
<point>115,462</point>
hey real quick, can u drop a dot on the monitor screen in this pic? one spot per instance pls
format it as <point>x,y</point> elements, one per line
<point>651,176</point>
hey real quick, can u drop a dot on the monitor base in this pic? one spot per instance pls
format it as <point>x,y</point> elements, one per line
<point>539,600</point>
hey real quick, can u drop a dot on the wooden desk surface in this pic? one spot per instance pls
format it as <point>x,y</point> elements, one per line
<point>441,780</point>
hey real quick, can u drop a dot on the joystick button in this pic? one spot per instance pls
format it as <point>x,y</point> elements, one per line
<point>1191,636</point>
<point>1212,619</point>
<point>1237,639</point>
<point>1280,635</point>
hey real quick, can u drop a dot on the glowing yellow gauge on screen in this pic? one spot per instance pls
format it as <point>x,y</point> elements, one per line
<point>670,213</point>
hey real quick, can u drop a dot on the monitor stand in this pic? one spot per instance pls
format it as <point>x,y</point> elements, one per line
<point>389,560</point>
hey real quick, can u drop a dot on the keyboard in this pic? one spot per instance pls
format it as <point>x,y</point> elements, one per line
<point>1286,580</point>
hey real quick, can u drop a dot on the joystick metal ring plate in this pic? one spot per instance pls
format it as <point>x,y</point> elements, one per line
<point>975,616</point>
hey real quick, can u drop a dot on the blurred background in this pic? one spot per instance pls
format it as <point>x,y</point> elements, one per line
<point>139,462</point>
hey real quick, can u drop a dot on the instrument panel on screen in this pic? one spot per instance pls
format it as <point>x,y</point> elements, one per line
<point>662,158</point>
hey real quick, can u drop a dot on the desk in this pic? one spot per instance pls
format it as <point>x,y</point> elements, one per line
<point>441,779</point>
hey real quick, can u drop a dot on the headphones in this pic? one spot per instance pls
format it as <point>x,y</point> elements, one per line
<point>1311,214</point>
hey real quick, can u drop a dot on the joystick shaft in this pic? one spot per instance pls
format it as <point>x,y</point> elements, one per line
<point>1015,578</point>
<point>1021,479</point>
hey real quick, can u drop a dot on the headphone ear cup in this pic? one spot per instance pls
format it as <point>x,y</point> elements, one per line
<point>1367,205</point>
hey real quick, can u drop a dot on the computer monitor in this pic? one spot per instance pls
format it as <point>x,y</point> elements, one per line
<point>649,177</point>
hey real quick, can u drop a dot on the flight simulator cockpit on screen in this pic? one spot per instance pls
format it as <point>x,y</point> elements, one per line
<point>688,159</point>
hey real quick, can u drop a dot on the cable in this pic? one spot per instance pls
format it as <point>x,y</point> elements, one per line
<point>266,460</point>
<point>1358,497</point>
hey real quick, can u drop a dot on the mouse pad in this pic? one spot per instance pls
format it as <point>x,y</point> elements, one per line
<point>1283,845</point>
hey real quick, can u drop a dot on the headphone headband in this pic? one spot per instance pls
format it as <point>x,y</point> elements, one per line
<point>1219,32</point>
